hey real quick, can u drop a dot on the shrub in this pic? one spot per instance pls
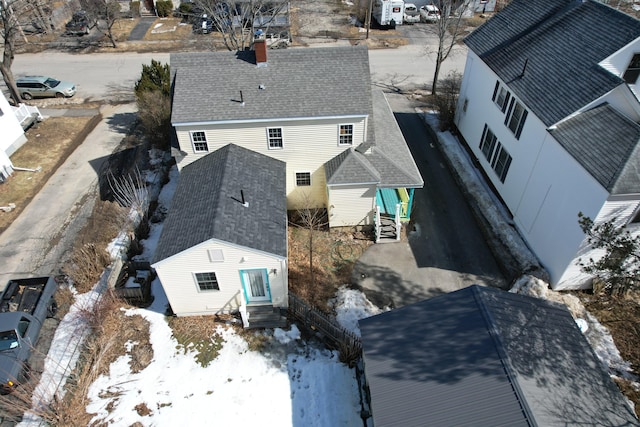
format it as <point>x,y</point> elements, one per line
<point>447,98</point>
<point>154,111</point>
<point>154,77</point>
<point>163,8</point>
<point>134,7</point>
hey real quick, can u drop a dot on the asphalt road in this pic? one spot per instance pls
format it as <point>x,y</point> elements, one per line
<point>446,250</point>
<point>102,76</point>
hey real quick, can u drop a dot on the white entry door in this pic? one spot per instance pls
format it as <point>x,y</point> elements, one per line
<point>256,285</point>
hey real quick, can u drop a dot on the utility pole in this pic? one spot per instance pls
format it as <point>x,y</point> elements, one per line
<point>368,18</point>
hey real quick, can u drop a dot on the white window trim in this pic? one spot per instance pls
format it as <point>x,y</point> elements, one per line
<point>269,138</point>
<point>352,134</point>
<point>295,177</point>
<point>193,143</point>
<point>195,281</point>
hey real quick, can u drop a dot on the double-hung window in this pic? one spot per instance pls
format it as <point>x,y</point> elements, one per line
<point>501,162</point>
<point>303,179</point>
<point>501,96</point>
<point>274,135</point>
<point>515,118</point>
<point>199,141</point>
<point>495,153</point>
<point>346,135</point>
<point>207,281</point>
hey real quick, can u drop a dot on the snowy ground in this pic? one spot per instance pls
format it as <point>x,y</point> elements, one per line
<point>293,383</point>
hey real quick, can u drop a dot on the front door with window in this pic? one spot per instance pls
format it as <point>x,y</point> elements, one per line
<point>256,285</point>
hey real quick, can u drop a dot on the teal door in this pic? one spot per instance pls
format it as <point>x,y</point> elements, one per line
<point>256,285</point>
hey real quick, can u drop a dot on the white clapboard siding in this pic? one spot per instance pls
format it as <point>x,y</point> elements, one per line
<point>307,144</point>
<point>177,277</point>
<point>351,205</point>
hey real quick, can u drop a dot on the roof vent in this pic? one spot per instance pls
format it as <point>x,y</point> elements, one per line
<point>261,86</point>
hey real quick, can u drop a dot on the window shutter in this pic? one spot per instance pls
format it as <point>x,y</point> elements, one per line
<point>506,102</point>
<point>521,124</point>
<point>495,91</point>
<point>506,119</point>
<point>484,132</point>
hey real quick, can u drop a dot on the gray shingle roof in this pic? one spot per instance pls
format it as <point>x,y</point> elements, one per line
<point>387,158</point>
<point>207,203</point>
<point>562,42</point>
<point>485,357</point>
<point>605,143</point>
<point>306,82</point>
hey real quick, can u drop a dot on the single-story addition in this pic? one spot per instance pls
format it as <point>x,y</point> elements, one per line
<point>223,246</point>
<point>312,108</point>
<point>485,357</point>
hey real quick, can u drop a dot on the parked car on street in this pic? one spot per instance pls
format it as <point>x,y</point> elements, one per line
<point>429,13</point>
<point>411,14</point>
<point>79,24</point>
<point>44,87</point>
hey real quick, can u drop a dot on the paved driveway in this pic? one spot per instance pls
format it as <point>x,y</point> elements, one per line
<point>445,251</point>
<point>46,229</point>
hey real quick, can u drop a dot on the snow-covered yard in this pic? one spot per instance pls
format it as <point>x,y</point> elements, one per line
<point>292,382</point>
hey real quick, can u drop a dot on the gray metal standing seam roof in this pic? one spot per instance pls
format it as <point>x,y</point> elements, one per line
<point>561,42</point>
<point>485,357</point>
<point>207,203</point>
<point>606,144</point>
<point>297,83</point>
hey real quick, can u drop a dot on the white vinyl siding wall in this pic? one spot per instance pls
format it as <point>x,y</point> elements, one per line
<point>347,204</point>
<point>12,134</point>
<point>177,277</point>
<point>623,211</point>
<point>307,146</point>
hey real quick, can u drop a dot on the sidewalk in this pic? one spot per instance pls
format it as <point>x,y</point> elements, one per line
<point>36,241</point>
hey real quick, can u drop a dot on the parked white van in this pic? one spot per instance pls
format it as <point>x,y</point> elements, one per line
<point>411,13</point>
<point>429,13</point>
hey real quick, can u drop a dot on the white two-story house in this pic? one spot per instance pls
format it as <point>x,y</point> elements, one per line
<point>311,108</point>
<point>549,108</point>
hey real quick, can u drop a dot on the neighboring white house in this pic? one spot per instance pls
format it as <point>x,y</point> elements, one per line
<point>548,107</point>
<point>13,122</point>
<point>223,246</point>
<point>313,109</point>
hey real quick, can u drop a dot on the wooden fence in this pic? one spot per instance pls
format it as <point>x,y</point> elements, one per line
<point>331,333</point>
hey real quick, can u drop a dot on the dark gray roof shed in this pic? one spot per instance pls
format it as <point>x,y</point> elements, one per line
<point>207,203</point>
<point>485,357</point>
<point>605,143</point>
<point>548,51</point>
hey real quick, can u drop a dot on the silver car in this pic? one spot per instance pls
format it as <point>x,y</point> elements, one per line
<point>44,87</point>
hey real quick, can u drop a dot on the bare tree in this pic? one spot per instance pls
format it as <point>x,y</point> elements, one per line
<point>11,30</point>
<point>313,219</point>
<point>449,31</point>
<point>103,14</point>
<point>237,20</point>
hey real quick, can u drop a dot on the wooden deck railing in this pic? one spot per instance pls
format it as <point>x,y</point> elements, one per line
<point>333,335</point>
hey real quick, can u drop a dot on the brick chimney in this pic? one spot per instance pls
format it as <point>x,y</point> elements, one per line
<point>260,47</point>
